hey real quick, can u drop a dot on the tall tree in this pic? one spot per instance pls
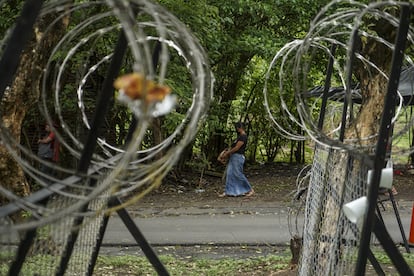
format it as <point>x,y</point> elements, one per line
<point>364,128</point>
<point>22,94</point>
<point>234,32</point>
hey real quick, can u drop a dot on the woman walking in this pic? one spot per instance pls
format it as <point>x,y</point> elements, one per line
<point>236,182</point>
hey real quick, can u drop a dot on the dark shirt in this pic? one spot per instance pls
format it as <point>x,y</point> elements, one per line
<point>242,138</point>
<point>45,151</point>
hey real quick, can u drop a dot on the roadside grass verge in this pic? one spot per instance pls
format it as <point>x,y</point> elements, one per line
<point>137,265</point>
<point>269,265</point>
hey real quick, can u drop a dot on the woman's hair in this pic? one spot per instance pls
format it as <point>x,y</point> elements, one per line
<point>239,125</point>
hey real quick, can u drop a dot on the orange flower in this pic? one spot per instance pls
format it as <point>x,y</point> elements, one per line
<point>134,86</point>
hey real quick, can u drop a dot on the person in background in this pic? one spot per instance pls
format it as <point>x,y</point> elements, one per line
<point>236,182</point>
<point>48,150</point>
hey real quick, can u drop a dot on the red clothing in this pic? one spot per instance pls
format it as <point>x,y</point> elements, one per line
<point>55,145</point>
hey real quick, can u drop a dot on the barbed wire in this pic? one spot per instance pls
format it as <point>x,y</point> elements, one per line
<point>290,77</point>
<point>129,170</point>
<point>294,99</point>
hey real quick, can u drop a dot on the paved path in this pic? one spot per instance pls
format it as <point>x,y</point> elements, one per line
<point>204,229</point>
<point>227,226</point>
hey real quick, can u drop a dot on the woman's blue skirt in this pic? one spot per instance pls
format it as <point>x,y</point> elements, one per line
<point>236,182</point>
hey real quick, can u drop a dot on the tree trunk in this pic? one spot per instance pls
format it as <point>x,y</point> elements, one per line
<point>366,124</point>
<point>23,93</point>
<point>227,87</point>
<point>373,90</point>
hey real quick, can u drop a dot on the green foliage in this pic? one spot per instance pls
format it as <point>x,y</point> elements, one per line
<point>240,37</point>
<point>10,11</point>
<point>266,26</point>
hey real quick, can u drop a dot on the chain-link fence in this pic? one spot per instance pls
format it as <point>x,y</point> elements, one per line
<point>330,240</point>
<point>50,244</point>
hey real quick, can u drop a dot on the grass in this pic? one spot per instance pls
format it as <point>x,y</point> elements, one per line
<point>110,265</point>
<point>259,265</point>
<point>134,265</point>
<point>385,259</point>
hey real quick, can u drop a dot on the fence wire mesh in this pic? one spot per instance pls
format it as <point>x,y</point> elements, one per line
<point>330,240</point>
<point>51,241</point>
<point>143,39</point>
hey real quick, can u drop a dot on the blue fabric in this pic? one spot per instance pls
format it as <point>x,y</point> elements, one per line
<point>236,182</point>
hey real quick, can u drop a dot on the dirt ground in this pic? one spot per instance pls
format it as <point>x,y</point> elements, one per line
<point>277,183</point>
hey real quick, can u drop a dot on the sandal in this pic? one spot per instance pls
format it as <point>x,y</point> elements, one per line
<point>250,193</point>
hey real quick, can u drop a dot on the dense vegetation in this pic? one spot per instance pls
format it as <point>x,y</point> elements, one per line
<point>241,38</point>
